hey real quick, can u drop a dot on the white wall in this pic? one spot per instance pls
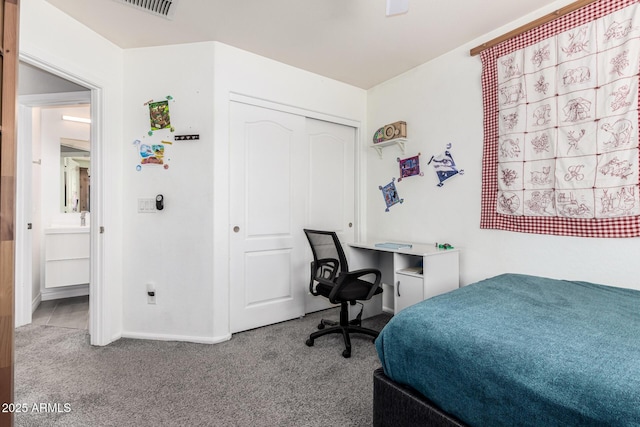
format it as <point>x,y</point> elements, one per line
<point>183,250</point>
<point>52,40</point>
<point>441,101</point>
<point>172,248</point>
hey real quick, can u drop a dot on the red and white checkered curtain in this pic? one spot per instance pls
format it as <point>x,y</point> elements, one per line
<point>593,219</point>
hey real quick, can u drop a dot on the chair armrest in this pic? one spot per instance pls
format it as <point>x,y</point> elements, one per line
<point>350,276</point>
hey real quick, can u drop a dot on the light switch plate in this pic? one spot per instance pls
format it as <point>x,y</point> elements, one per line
<point>147,205</point>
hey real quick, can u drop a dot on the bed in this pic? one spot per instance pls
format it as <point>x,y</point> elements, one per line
<point>513,350</point>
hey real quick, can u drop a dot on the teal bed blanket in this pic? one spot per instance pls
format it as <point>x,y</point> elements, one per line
<point>521,350</point>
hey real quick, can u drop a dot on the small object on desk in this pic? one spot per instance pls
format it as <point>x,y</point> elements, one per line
<point>389,245</point>
<point>443,246</point>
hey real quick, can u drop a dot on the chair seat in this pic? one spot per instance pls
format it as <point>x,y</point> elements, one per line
<point>357,290</point>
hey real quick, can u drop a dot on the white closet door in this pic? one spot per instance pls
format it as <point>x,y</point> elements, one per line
<point>268,266</point>
<point>331,203</point>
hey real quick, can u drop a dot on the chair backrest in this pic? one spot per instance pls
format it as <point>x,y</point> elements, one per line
<point>325,244</point>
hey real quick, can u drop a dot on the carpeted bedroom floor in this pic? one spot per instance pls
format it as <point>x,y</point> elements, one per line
<point>263,377</point>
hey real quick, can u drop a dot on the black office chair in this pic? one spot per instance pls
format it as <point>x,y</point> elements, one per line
<point>331,278</point>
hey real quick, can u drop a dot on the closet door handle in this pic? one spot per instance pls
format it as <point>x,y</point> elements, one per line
<point>398,288</point>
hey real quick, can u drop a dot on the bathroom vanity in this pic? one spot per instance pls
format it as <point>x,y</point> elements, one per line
<point>67,260</point>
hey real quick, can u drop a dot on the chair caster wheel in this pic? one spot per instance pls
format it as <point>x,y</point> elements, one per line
<point>321,325</point>
<point>309,342</point>
<point>346,354</point>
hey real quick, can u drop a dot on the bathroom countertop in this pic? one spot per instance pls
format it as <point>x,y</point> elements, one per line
<point>66,229</point>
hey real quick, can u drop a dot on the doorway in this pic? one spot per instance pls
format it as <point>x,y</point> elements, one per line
<point>44,93</point>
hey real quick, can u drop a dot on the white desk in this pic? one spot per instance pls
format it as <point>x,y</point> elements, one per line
<point>409,275</point>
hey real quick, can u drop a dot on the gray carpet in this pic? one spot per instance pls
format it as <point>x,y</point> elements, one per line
<point>262,377</point>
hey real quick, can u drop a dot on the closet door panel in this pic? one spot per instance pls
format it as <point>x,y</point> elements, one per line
<point>267,194</point>
<point>331,203</point>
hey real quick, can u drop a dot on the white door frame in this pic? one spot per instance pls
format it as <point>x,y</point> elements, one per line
<point>24,294</point>
<point>23,254</point>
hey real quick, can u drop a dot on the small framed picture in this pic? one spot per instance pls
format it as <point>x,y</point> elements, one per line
<point>159,115</point>
<point>409,167</point>
<point>445,167</point>
<point>390,194</point>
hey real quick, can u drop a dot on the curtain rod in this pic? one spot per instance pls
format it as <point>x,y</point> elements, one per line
<point>533,24</point>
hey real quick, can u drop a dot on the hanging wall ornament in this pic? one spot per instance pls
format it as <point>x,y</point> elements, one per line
<point>159,115</point>
<point>390,194</point>
<point>409,167</point>
<point>152,149</point>
<point>445,166</point>
<point>151,153</point>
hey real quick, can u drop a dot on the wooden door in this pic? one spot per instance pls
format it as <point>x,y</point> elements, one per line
<point>8,114</point>
<point>268,159</point>
<point>84,190</point>
<point>331,203</point>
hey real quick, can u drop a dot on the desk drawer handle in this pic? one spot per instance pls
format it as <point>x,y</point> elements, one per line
<point>398,288</point>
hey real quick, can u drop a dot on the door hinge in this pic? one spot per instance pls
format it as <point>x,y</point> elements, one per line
<point>101,229</point>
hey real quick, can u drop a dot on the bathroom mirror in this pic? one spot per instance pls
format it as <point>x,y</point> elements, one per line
<point>75,175</point>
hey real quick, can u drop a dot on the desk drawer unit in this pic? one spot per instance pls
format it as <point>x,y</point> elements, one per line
<point>409,274</point>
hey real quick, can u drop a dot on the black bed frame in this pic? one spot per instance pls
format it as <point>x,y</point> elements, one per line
<point>396,405</point>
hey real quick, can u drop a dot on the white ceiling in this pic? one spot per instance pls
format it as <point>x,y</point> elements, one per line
<point>347,40</point>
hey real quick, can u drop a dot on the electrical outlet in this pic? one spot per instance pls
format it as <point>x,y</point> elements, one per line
<point>151,293</point>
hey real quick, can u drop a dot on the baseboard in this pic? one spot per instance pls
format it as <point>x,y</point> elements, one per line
<point>36,302</point>
<point>185,338</point>
<point>67,292</point>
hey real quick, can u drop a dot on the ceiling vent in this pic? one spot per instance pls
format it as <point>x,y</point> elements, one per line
<point>164,8</point>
